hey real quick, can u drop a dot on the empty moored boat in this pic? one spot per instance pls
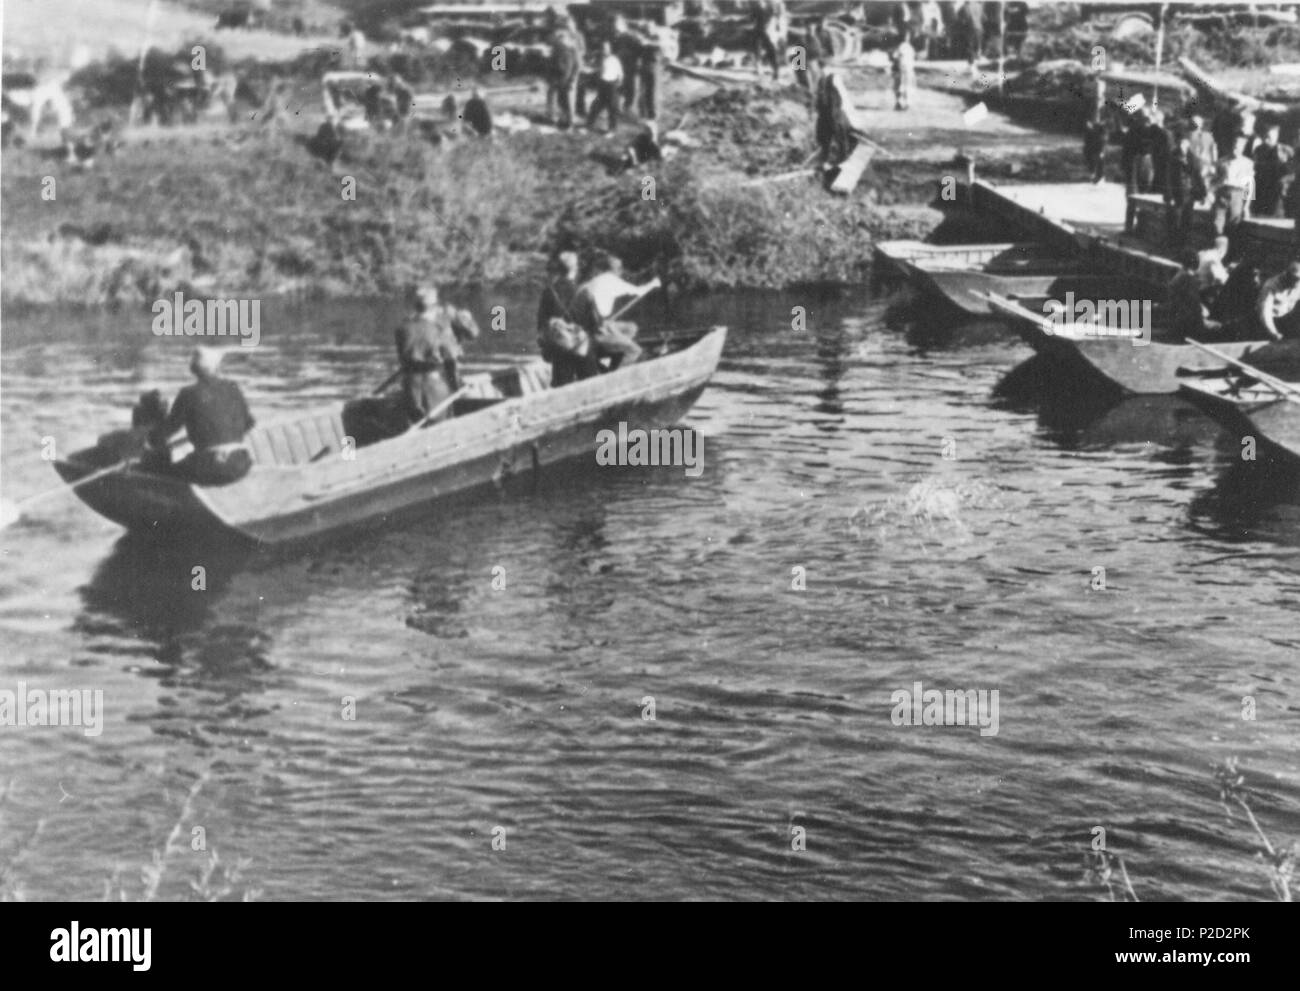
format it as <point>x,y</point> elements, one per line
<point>1150,368</point>
<point>305,481</point>
<point>960,275</point>
<point>1256,411</point>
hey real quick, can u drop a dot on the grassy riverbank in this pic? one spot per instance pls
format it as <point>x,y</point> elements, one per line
<point>246,210</point>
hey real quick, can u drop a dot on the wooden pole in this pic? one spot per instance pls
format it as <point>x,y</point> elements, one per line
<point>1160,48</point>
<point>149,14</point>
<point>1285,389</point>
<point>1002,43</point>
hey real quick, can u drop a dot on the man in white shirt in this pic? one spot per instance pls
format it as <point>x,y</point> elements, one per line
<point>1211,270</point>
<point>608,87</point>
<point>593,306</point>
<point>1278,299</point>
<point>903,69</point>
<point>1235,189</point>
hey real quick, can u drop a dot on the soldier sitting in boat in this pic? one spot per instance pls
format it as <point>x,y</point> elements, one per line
<point>215,418</point>
<point>148,414</point>
<point>593,310</point>
<point>563,343</point>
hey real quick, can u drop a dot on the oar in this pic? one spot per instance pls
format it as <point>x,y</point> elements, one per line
<point>649,288</point>
<point>433,413</point>
<point>1288,390</point>
<point>13,512</point>
<point>387,382</point>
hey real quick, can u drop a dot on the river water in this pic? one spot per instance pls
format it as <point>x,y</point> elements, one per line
<point>519,714</point>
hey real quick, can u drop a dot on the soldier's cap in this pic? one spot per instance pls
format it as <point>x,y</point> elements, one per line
<point>421,297</point>
<point>205,360</point>
<point>564,262</point>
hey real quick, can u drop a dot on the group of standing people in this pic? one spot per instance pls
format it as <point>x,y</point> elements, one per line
<point>1240,168</point>
<point>624,76</point>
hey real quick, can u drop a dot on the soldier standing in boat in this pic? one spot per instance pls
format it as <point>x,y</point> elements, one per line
<point>429,352</point>
<point>215,418</point>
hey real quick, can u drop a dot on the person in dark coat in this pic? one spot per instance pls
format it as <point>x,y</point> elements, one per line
<point>429,348</point>
<point>1094,150</point>
<point>648,80</point>
<point>476,115</point>
<point>1135,158</point>
<point>1184,188</point>
<point>1159,146</point>
<point>1272,174</point>
<point>215,417</point>
<point>563,343</point>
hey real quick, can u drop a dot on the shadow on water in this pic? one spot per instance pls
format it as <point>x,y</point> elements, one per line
<point>1091,413</point>
<point>930,325</point>
<point>181,599</point>
<point>1251,501</point>
<point>1066,404</point>
<point>833,349</point>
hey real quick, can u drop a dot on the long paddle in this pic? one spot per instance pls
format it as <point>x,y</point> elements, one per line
<point>433,413</point>
<point>645,291</point>
<point>1286,389</point>
<point>13,512</point>
<point>387,382</point>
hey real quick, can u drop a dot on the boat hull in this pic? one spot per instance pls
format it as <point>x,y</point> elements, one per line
<point>965,290</point>
<point>279,505</point>
<point>1273,423</point>
<point>1153,368</point>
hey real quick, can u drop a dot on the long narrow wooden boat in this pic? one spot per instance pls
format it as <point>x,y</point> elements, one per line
<point>1150,368</point>
<point>1251,411</point>
<point>960,276</point>
<point>302,484</point>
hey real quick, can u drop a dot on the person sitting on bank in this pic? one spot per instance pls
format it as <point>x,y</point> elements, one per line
<point>563,343</point>
<point>429,349</point>
<point>1279,298</point>
<point>593,307</point>
<point>215,418</point>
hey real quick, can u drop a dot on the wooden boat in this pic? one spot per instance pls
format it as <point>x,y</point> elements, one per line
<point>1151,368</point>
<point>1250,411</point>
<point>302,484</point>
<point>962,275</point>
<point>894,255</point>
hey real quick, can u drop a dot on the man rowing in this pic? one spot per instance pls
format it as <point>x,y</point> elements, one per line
<point>215,418</point>
<point>429,351</point>
<point>593,309</point>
